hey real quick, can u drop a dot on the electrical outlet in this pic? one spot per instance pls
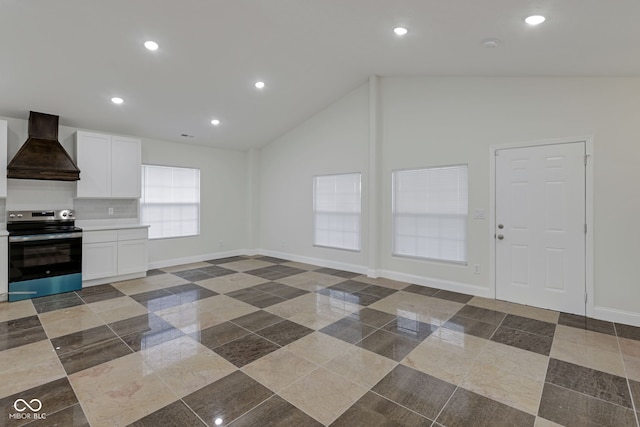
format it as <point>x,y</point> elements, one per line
<point>110,211</point>
<point>476,269</point>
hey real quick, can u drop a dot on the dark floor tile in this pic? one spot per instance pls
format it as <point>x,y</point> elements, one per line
<point>215,271</point>
<point>263,300</point>
<point>348,330</point>
<point>226,260</point>
<point>272,259</point>
<point>415,390</point>
<point>453,296</point>
<point>155,272</point>
<point>379,291</point>
<point>179,289</point>
<point>389,345</point>
<point>242,294</point>
<point>349,286</point>
<point>19,332</point>
<point>635,393</point>
<point>227,398</point>
<point>177,414</point>
<point>627,331</point>
<point>339,273</point>
<point>524,340</point>
<point>280,290</point>
<point>257,320</point>
<point>373,410</point>
<point>85,338</point>
<point>157,300</point>
<point>56,302</point>
<point>271,273</point>
<point>364,299</point>
<point>246,349</point>
<point>421,290</point>
<point>570,408</point>
<point>71,416</point>
<point>532,326</point>
<point>143,323</point>
<point>88,357</point>
<point>217,335</point>
<point>410,328</point>
<point>98,289</point>
<point>186,296</point>
<point>482,314</point>
<point>601,385</point>
<point>54,397</point>
<point>338,295</point>
<point>470,409</point>
<point>471,326</point>
<point>146,339</point>
<point>102,296</point>
<point>270,287</point>
<point>587,323</point>
<point>276,412</point>
<point>193,275</point>
<point>284,332</point>
<point>372,317</point>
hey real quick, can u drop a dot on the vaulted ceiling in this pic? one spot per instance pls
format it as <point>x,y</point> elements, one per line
<point>70,57</point>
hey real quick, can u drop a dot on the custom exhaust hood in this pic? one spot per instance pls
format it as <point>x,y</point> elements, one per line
<point>42,156</point>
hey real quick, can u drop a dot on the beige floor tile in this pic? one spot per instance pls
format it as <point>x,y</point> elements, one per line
<point>508,375</point>
<point>629,347</point>
<point>413,306</point>
<point>115,309</point>
<point>246,265</point>
<point>184,267</point>
<point>586,338</point>
<point>16,310</point>
<point>318,347</point>
<point>231,282</point>
<point>307,303</point>
<point>311,281</point>
<point>323,395</point>
<point>192,317</point>
<point>491,304</point>
<point>534,313</point>
<point>381,281</point>
<point>316,319</point>
<point>361,366</point>
<point>69,320</point>
<point>279,369</point>
<point>541,422</point>
<point>300,265</point>
<point>591,357</point>
<point>446,354</point>
<point>632,367</point>
<point>28,366</point>
<point>150,283</point>
<point>224,307</point>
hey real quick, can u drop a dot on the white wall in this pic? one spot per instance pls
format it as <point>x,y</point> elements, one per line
<point>223,201</point>
<point>333,141</point>
<point>443,121</point>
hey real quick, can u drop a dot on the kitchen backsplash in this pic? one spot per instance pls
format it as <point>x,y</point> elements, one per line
<point>90,209</point>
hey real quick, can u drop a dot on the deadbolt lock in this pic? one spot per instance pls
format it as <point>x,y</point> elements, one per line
<point>500,226</point>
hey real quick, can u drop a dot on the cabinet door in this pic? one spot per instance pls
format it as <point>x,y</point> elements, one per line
<point>4,271</point>
<point>93,154</point>
<point>125,167</point>
<point>99,260</point>
<point>3,158</point>
<point>132,256</point>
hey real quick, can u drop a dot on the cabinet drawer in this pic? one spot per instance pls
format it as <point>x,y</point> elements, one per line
<point>99,236</point>
<point>132,234</point>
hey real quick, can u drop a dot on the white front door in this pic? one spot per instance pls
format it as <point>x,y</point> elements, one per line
<point>540,226</point>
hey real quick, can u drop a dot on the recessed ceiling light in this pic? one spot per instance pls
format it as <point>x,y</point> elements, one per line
<point>215,122</point>
<point>490,43</point>
<point>259,85</point>
<point>534,19</point>
<point>400,31</point>
<point>117,100</point>
<point>151,45</point>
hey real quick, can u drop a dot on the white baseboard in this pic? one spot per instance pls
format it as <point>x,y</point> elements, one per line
<point>360,269</point>
<point>446,285</point>
<point>196,258</point>
<point>618,316</point>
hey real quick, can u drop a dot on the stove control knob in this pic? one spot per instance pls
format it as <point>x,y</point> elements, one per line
<point>12,215</point>
<point>19,215</point>
<point>70,214</point>
<point>64,214</point>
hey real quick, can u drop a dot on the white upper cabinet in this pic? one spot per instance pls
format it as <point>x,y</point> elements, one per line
<point>109,166</point>
<point>3,158</point>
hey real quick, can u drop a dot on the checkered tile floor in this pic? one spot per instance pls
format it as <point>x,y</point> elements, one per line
<point>255,341</point>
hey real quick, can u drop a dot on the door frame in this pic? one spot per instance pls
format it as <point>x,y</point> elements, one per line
<point>588,142</point>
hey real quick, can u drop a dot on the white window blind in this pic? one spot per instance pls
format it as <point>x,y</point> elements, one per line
<point>430,208</point>
<point>170,201</point>
<point>336,211</point>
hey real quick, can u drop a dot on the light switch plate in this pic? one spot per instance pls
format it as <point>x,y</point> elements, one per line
<point>478,214</point>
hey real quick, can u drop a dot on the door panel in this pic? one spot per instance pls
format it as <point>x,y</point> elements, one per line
<point>540,204</point>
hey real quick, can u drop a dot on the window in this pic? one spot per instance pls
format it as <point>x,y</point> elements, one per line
<point>170,201</point>
<point>430,213</point>
<point>336,211</point>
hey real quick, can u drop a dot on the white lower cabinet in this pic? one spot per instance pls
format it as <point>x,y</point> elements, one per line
<point>111,255</point>
<point>4,267</point>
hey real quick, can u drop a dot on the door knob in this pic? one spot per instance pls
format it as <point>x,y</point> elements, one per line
<point>500,237</point>
<point>500,226</point>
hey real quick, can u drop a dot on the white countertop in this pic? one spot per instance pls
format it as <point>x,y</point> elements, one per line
<point>96,225</point>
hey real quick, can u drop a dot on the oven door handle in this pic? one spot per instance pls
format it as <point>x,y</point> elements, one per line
<point>44,237</point>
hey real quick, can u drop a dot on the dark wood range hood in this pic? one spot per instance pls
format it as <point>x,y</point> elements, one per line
<point>42,156</point>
